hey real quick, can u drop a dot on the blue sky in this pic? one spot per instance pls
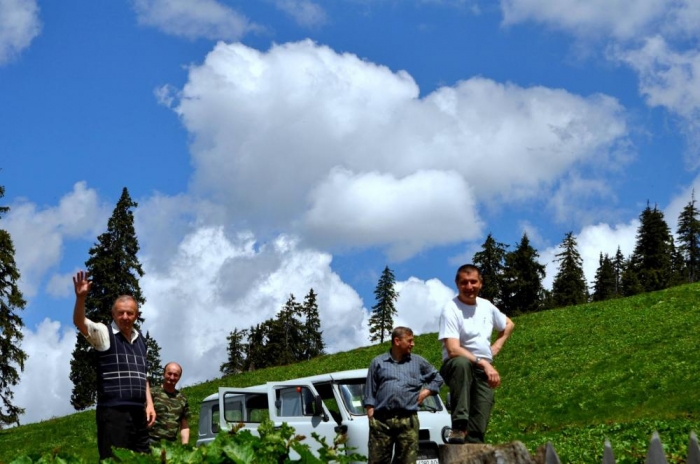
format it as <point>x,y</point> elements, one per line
<point>279,145</point>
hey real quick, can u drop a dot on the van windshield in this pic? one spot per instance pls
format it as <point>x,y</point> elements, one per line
<point>352,391</point>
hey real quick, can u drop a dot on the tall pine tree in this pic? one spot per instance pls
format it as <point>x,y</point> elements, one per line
<point>605,284</point>
<point>651,261</point>
<point>619,264</point>
<point>312,334</point>
<point>688,233</point>
<point>523,291</point>
<point>491,262</point>
<point>381,322</point>
<point>11,301</point>
<point>237,348</point>
<point>285,344</point>
<point>114,270</point>
<point>569,287</point>
<point>155,365</point>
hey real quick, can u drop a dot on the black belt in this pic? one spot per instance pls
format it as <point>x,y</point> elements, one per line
<point>394,414</point>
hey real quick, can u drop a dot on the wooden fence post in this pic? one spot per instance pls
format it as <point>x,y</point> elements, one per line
<point>693,449</point>
<point>608,456</point>
<point>656,455</point>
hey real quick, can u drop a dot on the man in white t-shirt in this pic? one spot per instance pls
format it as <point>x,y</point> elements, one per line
<point>466,325</point>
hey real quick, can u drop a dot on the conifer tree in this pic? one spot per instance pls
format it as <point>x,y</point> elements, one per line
<point>312,334</point>
<point>381,322</point>
<point>11,301</point>
<point>629,281</point>
<point>688,233</point>
<point>237,348</point>
<point>255,357</point>
<point>619,267</point>
<point>155,366</point>
<point>604,286</point>
<point>523,291</point>
<point>114,270</point>
<point>569,287</point>
<point>284,335</point>
<point>651,260</point>
<point>491,263</point>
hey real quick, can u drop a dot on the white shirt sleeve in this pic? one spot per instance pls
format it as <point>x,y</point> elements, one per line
<point>98,335</point>
<point>449,326</point>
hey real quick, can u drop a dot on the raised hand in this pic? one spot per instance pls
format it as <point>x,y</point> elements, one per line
<point>81,284</point>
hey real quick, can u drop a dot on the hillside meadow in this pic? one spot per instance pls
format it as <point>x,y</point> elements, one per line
<point>575,376</point>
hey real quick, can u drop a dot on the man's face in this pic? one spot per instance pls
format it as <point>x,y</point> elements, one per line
<point>469,286</point>
<point>404,345</point>
<point>124,314</point>
<point>172,374</point>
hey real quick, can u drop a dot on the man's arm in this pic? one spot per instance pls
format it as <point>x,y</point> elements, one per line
<point>81,285</point>
<point>454,349</point>
<point>184,431</point>
<point>502,337</point>
<point>150,410</point>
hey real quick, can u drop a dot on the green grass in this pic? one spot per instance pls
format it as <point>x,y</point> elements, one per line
<point>575,376</point>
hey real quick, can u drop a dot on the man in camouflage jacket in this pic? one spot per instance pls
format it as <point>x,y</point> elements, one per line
<point>172,409</point>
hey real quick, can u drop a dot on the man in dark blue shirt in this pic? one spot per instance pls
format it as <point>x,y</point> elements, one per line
<point>397,383</point>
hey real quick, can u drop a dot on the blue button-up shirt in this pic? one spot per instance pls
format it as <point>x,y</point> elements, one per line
<point>394,385</point>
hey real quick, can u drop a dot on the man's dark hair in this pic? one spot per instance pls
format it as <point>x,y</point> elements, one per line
<point>400,332</point>
<point>467,268</point>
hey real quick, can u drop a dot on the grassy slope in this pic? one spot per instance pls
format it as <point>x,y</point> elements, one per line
<point>618,369</point>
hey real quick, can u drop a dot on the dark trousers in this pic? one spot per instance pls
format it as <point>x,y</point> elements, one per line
<point>471,398</point>
<point>121,427</point>
<point>397,435</point>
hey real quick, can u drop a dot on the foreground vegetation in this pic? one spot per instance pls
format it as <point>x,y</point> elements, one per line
<point>617,369</point>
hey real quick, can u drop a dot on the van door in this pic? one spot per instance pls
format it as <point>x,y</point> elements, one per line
<point>299,405</point>
<point>247,406</point>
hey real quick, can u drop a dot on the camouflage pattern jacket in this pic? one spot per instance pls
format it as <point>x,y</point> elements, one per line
<point>170,408</point>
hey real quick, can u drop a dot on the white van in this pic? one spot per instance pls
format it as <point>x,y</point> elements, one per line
<point>327,404</point>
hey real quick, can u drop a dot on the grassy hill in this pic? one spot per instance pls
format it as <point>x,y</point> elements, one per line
<point>575,376</point>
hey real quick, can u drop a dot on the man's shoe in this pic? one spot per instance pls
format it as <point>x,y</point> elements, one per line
<point>457,437</point>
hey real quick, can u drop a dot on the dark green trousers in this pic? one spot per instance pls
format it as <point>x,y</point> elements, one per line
<point>471,398</point>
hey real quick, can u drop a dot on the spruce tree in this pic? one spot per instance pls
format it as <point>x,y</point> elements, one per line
<point>569,287</point>
<point>619,267</point>
<point>523,291</point>
<point>255,356</point>
<point>284,335</point>
<point>155,365</point>
<point>114,270</point>
<point>491,262</point>
<point>237,348</point>
<point>312,334</point>
<point>651,260</point>
<point>381,322</point>
<point>688,233</point>
<point>11,301</point>
<point>605,284</point>
<point>629,281</point>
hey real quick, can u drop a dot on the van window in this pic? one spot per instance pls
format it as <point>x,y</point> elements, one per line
<point>245,407</point>
<point>294,402</point>
<point>215,419</point>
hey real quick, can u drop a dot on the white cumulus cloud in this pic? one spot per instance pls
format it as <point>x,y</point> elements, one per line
<point>19,25</point>
<point>194,19</point>
<point>274,131</point>
<point>79,214</point>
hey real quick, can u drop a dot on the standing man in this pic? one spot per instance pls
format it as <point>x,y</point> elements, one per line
<point>397,383</point>
<point>172,409</point>
<point>466,325</point>
<point>124,406</point>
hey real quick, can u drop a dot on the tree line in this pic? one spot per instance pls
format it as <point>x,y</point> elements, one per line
<point>512,280</point>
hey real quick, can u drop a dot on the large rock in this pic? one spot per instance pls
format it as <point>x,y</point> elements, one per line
<point>509,453</point>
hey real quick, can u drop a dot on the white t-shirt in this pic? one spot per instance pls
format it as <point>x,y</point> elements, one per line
<point>472,325</point>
